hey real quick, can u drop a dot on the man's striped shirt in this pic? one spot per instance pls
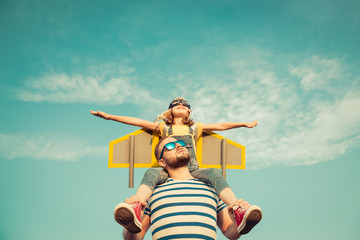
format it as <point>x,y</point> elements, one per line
<point>185,209</point>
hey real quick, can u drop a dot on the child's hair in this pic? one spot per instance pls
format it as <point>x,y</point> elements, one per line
<point>169,119</point>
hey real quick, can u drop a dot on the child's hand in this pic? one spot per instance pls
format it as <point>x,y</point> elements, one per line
<point>252,124</point>
<point>100,114</point>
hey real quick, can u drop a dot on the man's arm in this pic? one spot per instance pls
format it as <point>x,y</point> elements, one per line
<point>127,120</point>
<point>145,222</point>
<point>227,224</point>
<point>227,125</point>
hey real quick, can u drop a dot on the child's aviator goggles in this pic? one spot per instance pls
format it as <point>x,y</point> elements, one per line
<point>171,146</point>
<point>177,102</point>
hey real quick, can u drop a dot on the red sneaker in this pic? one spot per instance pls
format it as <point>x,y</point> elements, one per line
<point>247,219</point>
<point>128,215</point>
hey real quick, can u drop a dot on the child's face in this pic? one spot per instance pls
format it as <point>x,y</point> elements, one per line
<point>180,111</point>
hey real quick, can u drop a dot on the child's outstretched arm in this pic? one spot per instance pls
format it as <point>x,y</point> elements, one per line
<point>128,120</point>
<point>227,125</point>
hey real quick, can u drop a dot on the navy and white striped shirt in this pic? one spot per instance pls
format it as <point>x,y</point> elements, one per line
<point>184,209</point>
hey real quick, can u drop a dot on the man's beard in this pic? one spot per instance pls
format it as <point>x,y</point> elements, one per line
<point>181,161</point>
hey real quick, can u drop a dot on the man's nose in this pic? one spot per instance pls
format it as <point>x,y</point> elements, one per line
<point>177,145</point>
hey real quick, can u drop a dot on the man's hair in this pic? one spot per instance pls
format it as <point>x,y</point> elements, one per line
<point>156,152</point>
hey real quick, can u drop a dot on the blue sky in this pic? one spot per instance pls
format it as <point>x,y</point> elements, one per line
<point>293,65</point>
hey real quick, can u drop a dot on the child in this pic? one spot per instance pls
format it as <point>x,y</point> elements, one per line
<point>179,125</point>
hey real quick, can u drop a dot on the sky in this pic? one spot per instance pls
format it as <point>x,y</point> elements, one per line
<point>293,65</point>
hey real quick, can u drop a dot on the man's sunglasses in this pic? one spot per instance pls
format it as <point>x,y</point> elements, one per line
<point>178,102</point>
<point>171,146</point>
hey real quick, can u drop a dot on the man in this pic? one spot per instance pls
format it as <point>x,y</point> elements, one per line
<point>184,207</point>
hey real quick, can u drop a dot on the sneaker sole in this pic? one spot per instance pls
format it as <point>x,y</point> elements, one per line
<point>125,216</point>
<point>252,218</point>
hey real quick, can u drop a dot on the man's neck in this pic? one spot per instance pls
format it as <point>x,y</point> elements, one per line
<point>181,173</point>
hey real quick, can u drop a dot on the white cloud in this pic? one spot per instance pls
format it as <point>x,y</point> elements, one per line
<point>295,128</point>
<point>334,128</point>
<point>47,147</point>
<point>99,86</point>
<point>316,73</point>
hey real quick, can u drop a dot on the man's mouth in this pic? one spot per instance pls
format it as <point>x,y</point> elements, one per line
<point>180,150</point>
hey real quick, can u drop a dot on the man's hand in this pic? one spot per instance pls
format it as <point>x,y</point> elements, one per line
<point>134,199</point>
<point>100,114</point>
<point>252,124</point>
<point>239,203</point>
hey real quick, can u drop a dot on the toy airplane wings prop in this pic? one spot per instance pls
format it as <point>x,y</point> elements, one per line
<point>136,150</point>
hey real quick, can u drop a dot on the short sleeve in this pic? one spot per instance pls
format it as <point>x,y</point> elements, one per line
<point>200,127</point>
<point>220,206</point>
<point>161,128</point>
<point>147,209</point>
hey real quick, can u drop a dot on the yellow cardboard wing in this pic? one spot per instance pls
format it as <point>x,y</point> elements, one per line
<point>136,150</point>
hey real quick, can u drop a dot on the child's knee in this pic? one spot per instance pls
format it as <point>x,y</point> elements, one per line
<point>213,172</point>
<point>151,171</point>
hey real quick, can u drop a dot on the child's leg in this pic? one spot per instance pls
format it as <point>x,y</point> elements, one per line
<point>213,177</point>
<point>228,196</point>
<point>152,177</point>
<point>143,193</point>
<point>128,214</point>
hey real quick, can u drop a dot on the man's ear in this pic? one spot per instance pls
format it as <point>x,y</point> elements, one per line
<point>162,163</point>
